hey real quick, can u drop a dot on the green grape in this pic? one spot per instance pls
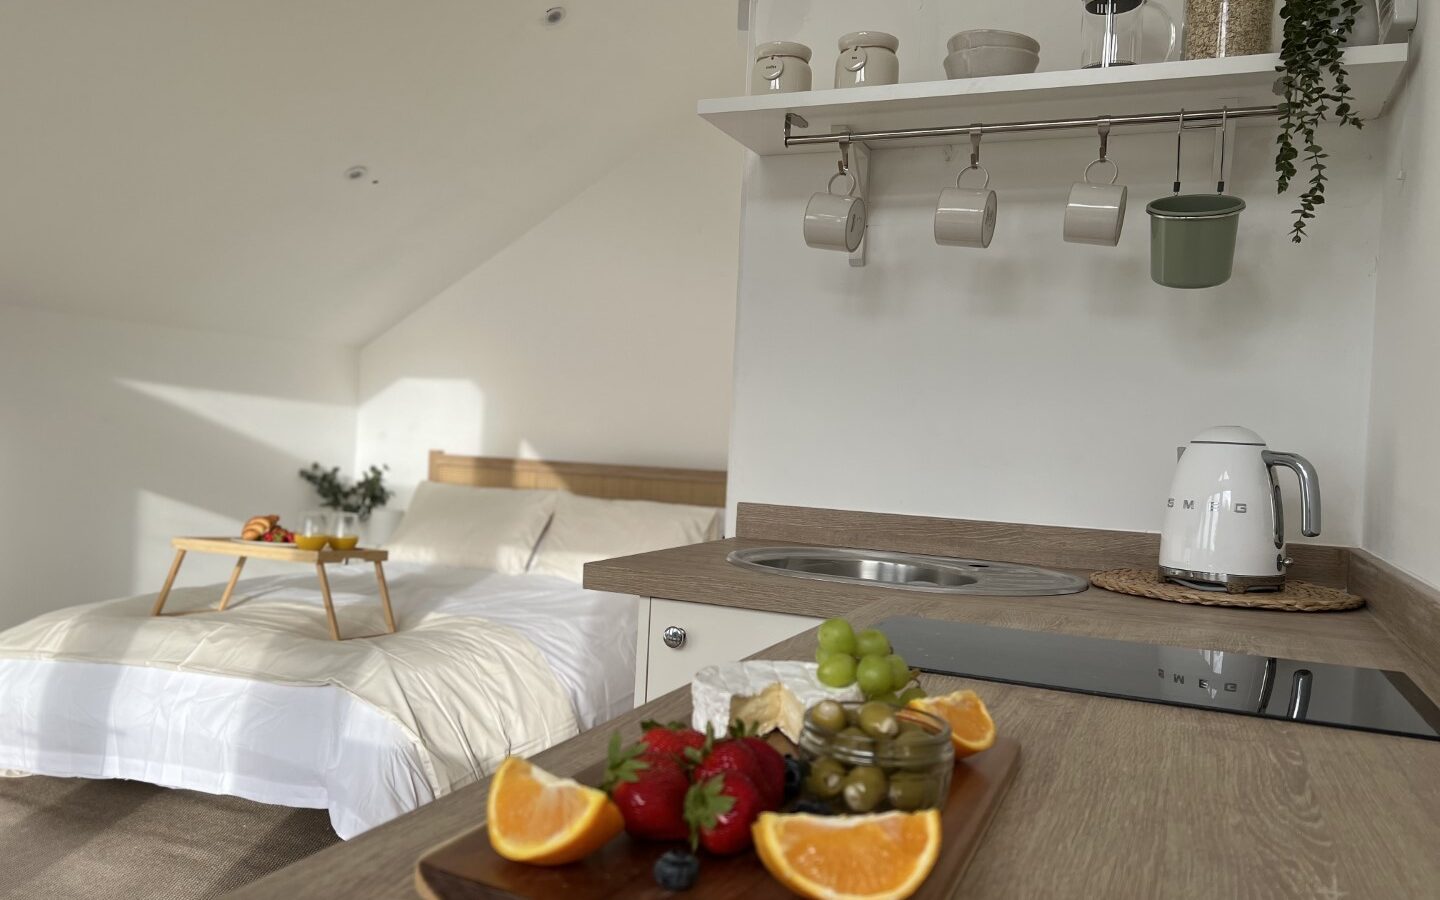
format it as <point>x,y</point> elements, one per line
<point>837,671</point>
<point>899,671</point>
<point>873,673</point>
<point>837,636</point>
<point>909,694</point>
<point>871,642</point>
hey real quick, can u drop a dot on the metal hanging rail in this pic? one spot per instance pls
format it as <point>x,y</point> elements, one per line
<point>1192,118</point>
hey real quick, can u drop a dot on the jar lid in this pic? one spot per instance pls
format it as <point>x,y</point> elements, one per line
<point>869,39</point>
<point>783,48</point>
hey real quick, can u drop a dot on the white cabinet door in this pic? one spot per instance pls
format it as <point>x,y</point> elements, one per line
<point>705,635</point>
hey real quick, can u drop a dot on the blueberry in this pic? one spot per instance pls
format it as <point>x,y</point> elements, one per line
<point>814,807</point>
<point>676,870</point>
<point>796,771</point>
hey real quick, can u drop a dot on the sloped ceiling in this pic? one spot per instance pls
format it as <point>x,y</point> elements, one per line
<point>183,162</point>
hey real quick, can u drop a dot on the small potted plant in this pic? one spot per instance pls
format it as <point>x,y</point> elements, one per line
<point>362,497</point>
<point>1313,79</point>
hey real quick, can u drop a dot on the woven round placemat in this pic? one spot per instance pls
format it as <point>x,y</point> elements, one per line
<point>1296,596</point>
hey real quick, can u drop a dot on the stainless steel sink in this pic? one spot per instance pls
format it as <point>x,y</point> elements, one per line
<point>909,572</point>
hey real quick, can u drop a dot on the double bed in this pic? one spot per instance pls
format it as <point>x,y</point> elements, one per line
<point>499,651</point>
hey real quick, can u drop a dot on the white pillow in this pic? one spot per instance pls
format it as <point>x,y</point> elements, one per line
<point>479,528</point>
<point>585,529</point>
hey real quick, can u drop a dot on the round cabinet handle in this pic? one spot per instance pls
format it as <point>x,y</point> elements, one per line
<point>674,637</point>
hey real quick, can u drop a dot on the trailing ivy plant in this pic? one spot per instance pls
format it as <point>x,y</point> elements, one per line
<point>1311,60</point>
<point>367,494</point>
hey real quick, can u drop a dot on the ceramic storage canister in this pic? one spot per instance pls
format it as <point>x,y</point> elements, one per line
<point>780,67</point>
<point>867,57</point>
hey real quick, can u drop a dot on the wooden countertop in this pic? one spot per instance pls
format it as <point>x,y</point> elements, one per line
<point>700,573</point>
<point>1114,798</point>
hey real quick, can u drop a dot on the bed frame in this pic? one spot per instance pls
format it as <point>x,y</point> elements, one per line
<point>699,487</point>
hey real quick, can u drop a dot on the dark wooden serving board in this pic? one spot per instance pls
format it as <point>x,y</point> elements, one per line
<point>466,867</point>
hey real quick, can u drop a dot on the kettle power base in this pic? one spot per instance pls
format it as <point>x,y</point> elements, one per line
<point>1296,596</point>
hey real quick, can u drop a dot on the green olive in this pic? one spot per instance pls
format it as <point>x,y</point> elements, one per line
<point>877,719</point>
<point>864,789</point>
<point>854,740</point>
<point>826,778</point>
<point>910,746</point>
<point>828,714</point>
<point>911,790</point>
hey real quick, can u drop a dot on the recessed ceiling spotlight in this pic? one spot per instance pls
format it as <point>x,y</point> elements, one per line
<point>554,15</point>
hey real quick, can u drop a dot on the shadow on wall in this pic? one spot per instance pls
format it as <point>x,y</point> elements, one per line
<point>604,334</point>
<point>117,437</point>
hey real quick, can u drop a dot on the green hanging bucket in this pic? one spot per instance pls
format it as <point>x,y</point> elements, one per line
<point>1192,239</point>
<point>1192,236</point>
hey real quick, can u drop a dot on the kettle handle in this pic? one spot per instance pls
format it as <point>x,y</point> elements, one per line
<point>1309,487</point>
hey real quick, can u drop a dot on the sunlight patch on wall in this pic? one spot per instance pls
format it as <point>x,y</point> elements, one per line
<point>400,427</point>
<point>157,519</point>
<point>268,420</point>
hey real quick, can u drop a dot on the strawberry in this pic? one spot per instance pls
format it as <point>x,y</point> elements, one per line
<point>726,755</point>
<point>673,738</point>
<point>770,763</point>
<point>649,788</point>
<point>721,810</point>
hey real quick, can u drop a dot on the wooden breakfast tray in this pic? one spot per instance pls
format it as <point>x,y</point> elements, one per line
<point>466,867</point>
<point>243,550</point>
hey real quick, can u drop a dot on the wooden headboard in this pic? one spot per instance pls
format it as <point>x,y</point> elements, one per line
<point>700,487</point>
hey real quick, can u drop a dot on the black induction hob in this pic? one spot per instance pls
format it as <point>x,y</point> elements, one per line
<point>1315,693</point>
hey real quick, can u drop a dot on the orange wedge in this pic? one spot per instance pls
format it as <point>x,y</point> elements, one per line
<point>535,817</point>
<point>886,856</point>
<point>971,728</point>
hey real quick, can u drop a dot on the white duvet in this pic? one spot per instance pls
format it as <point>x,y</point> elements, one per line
<point>319,744</point>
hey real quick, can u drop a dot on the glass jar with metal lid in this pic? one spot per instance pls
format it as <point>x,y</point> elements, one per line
<point>869,757</point>
<point>867,57</point>
<point>780,67</point>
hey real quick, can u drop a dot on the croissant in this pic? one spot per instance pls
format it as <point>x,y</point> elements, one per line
<point>258,526</point>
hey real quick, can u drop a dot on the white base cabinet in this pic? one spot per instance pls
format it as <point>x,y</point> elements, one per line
<point>700,635</point>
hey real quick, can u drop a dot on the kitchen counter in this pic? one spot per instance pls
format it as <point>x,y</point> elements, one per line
<point>700,573</point>
<point>1114,798</point>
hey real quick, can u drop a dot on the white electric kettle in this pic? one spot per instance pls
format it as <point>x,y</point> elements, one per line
<point>1224,527</point>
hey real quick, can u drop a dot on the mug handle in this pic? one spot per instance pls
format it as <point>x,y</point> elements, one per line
<point>854,183</point>
<point>1114,175</point>
<point>977,167</point>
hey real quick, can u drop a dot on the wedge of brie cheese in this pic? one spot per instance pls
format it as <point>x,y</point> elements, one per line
<point>766,695</point>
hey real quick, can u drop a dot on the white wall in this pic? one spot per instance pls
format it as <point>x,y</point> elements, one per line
<point>1402,509</point>
<point>115,437</point>
<point>1039,381</point>
<point>604,333</point>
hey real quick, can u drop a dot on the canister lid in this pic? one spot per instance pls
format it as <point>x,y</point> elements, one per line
<point>869,39</point>
<point>1228,434</point>
<point>1104,7</point>
<point>783,48</point>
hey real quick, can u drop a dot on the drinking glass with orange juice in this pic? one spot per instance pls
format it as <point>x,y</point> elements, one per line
<point>345,531</point>
<point>314,533</point>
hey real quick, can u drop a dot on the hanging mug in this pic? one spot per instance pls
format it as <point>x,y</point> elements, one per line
<point>1096,212</point>
<point>836,221</point>
<point>965,217</point>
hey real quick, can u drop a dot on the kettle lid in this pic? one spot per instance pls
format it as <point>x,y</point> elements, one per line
<point>1228,434</point>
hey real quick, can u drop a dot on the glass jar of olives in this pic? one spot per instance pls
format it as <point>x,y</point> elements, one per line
<point>871,757</point>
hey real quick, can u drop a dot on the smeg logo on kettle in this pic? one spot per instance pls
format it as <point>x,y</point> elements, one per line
<point>1201,683</point>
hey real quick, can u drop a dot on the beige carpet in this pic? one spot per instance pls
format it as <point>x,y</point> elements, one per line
<point>67,838</point>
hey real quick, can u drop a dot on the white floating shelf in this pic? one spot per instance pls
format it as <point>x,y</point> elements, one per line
<point>758,122</point>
